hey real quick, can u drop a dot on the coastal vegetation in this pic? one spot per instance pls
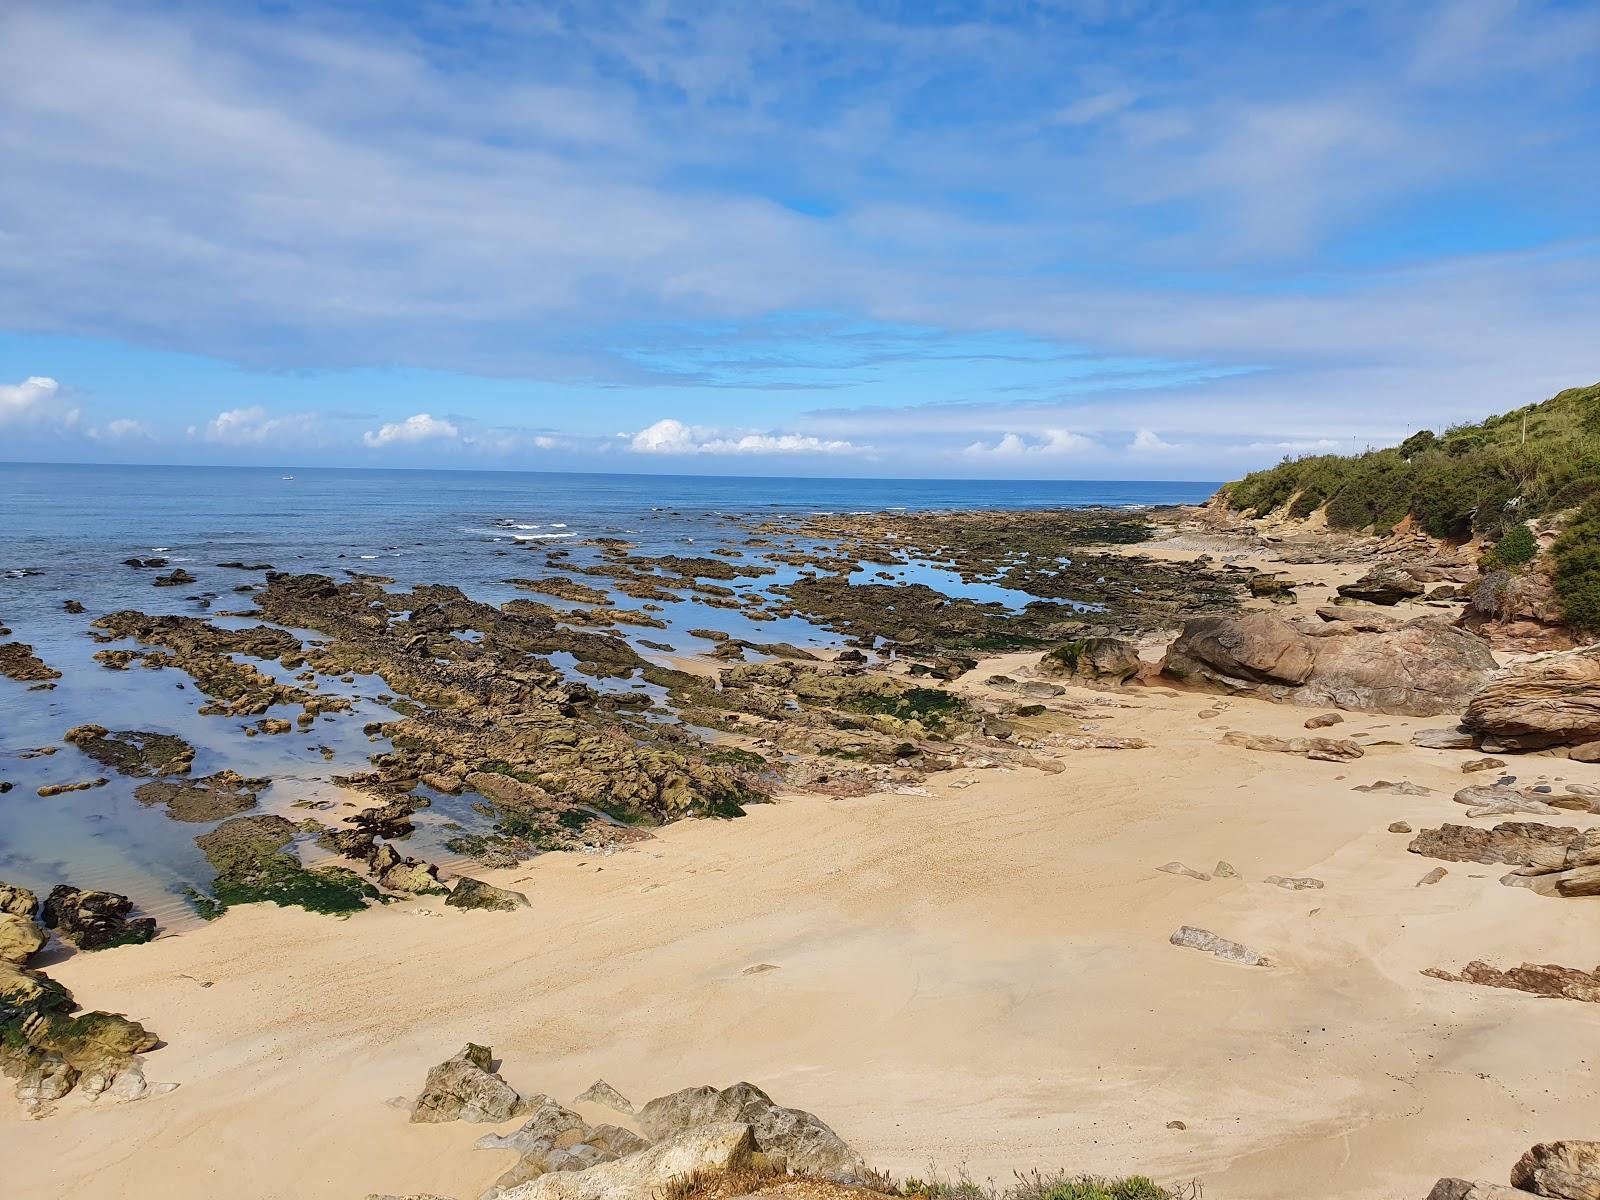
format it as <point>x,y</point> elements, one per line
<point>1485,480</point>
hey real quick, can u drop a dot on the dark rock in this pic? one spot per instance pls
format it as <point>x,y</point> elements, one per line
<point>94,920</point>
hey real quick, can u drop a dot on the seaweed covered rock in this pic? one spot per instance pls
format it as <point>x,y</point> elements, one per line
<point>94,920</point>
<point>254,862</point>
<point>474,893</point>
<point>1093,660</point>
<point>134,751</point>
<point>18,661</point>
<point>224,794</point>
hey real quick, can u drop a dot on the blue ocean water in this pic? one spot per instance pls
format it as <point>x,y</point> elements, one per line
<point>65,531</point>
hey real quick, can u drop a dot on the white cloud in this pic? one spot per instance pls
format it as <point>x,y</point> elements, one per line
<point>36,400</point>
<point>253,427</point>
<point>1052,443</point>
<point>1147,441</point>
<point>669,436</point>
<point>418,428</point>
<point>123,429</point>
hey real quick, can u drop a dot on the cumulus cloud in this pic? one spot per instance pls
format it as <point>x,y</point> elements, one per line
<point>1147,441</point>
<point>36,400</point>
<point>123,429</point>
<point>1053,443</point>
<point>670,436</point>
<point>254,427</point>
<point>419,428</point>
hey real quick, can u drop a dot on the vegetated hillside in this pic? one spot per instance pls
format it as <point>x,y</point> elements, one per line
<point>1485,479</point>
<point>1481,478</point>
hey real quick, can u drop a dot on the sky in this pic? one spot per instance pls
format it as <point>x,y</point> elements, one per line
<point>1096,240</point>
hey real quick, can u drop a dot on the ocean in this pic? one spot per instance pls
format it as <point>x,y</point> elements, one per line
<point>65,532</point>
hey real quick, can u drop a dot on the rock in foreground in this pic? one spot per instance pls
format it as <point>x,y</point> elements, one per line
<point>463,1088</point>
<point>808,1146</point>
<point>1546,702</point>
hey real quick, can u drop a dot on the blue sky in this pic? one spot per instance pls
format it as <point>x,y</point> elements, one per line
<point>1057,240</point>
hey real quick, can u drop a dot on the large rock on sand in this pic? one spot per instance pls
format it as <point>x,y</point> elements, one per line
<point>1563,1170</point>
<point>1386,583</point>
<point>20,937</point>
<point>1544,702</point>
<point>1421,668</point>
<point>463,1088</point>
<point>1093,661</point>
<point>705,1148</point>
<point>808,1145</point>
<point>94,920</point>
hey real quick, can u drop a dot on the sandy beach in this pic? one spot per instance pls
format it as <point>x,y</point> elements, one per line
<point>978,978</point>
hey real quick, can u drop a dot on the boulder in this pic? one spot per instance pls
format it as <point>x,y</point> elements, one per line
<point>1093,660</point>
<point>1544,702</point>
<point>1516,843</point>
<point>18,901</point>
<point>94,920</point>
<point>1444,739</point>
<point>807,1144</point>
<point>1191,938</point>
<point>1386,583</point>
<point>1561,1170</point>
<point>463,1088</point>
<point>1420,668</point>
<point>703,1148</point>
<point>474,893</point>
<point>20,937</point>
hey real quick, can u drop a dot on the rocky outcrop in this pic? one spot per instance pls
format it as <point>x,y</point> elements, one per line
<point>1548,701</point>
<point>1420,668</point>
<point>1387,583</point>
<point>18,901</point>
<point>1539,979</point>
<point>1568,1170</point>
<point>464,1088</point>
<point>808,1146</point>
<point>20,937</point>
<point>254,861</point>
<point>17,661</point>
<point>134,751</point>
<point>554,1138</point>
<point>648,1172</point>
<point>94,920</point>
<point>1095,661</point>
<point>1515,843</point>
<point>213,798</point>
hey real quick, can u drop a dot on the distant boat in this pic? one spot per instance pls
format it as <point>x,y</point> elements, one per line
<point>286,477</point>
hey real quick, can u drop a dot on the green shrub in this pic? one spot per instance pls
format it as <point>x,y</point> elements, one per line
<point>1517,547</point>
<point>1577,562</point>
<point>1546,456</point>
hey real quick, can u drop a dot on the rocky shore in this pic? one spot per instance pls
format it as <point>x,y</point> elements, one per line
<point>994,772</point>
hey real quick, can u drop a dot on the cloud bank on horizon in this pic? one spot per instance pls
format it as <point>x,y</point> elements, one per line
<point>1139,239</point>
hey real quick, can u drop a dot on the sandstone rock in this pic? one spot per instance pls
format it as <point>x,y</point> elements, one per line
<point>1587,752</point>
<point>1177,868</point>
<point>1326,749</point>
<point>94,920</point>
<point>1444,739</point>
<point>1420,668</point>
<point>463,1088</point>
<point>1385,584</point>
<point>1473,765</point>
<point>1540,979</point>
<point>1432,877</point>
<point>602,1093</point>
<point>1397,787</point>
<point>20,937</point>
<point>18,901</point>
<point>1560,1170</point>
<point>1515,843</point>
<point>1224,870</point>
<point>1294,883</point>
<point>1504,801</point>
<point>1323,720</point>
<point>1093,660</point>
<point>474,893</point>
<point>703,1148</point>
<point>1462,1189</point>
<point>1192,938</point>
<point>807,1144</point>
<point>1545,702</point>
<point>1399,827</point>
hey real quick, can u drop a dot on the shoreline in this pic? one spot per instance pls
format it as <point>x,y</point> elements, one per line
<point>978,977</point>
